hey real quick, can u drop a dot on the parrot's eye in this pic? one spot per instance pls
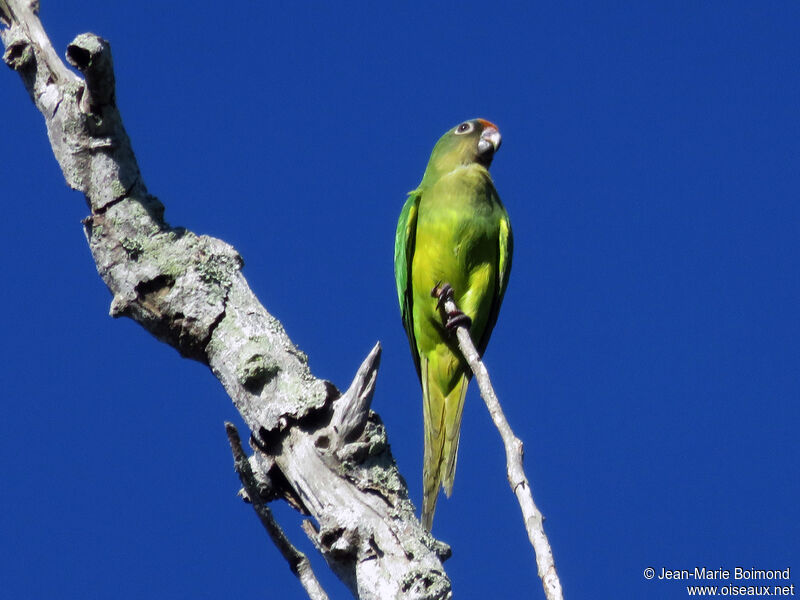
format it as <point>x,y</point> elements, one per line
<point>465,127</point>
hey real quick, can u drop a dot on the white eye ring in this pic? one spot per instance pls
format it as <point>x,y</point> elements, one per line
<point>465,128</point>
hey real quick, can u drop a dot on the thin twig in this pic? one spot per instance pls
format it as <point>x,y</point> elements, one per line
<point>514,453</point>
<point>298,562</point>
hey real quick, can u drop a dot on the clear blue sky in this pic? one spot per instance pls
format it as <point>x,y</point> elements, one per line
<point>648,352</point>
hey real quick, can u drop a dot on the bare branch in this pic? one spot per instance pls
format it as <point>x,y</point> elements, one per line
<point>349,422</point>
<point>21,15</point>
<point>325,453</point>
<point>298,562</point>
<point>514,454</point>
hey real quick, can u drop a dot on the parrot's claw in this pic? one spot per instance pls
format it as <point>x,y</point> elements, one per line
<point>455,318</point>
<point>444,292</point>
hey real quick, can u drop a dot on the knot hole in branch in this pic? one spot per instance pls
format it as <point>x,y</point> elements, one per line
<point>78,57</point>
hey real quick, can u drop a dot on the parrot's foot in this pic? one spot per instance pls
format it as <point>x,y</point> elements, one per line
<point>444,292</point>
<point>455,318</point>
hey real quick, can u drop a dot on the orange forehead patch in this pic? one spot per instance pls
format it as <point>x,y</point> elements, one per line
<point>486,123</point>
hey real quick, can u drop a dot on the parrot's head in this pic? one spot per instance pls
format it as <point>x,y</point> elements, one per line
<point>473,141</point>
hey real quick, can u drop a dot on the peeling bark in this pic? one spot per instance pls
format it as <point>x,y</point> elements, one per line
<point>324,452</point>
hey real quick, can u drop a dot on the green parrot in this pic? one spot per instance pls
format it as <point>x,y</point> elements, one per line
<point>453,233</point>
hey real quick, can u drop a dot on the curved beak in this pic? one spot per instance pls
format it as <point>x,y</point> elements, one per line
<point>489,142</point>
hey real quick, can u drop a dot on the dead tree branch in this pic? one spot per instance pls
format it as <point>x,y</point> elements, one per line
<point>534,522</point>
<point>298,562</point>
<point>325,453</point>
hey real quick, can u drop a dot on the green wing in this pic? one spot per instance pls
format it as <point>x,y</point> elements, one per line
<point>403,253</point>
<point>505,254</point>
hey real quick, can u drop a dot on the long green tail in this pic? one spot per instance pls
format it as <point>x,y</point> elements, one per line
<point>442,416</point>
